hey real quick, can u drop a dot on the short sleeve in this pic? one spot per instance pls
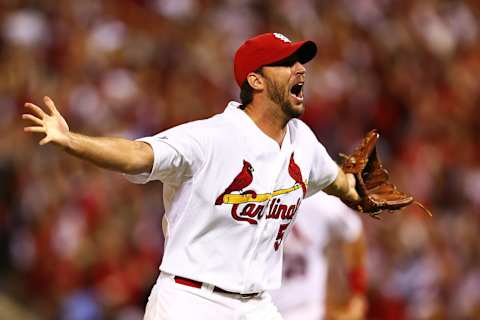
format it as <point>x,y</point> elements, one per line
<point>178,154</point>
<point>324,170</point>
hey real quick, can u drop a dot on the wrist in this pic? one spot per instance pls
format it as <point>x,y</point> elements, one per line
<point>350,194</point>
<point>67,142</point>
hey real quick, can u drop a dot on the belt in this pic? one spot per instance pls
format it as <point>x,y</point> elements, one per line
<point>198,284</point>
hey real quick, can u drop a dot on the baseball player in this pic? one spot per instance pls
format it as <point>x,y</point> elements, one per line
<point>322,219</point>
<point>232,184</point>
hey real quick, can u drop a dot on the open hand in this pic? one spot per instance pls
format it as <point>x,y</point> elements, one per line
<point>50,123</point>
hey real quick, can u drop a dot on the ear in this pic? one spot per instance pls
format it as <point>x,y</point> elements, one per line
<point>256,81</point>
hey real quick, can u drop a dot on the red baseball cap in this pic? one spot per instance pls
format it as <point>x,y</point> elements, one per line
<point>268,48</point>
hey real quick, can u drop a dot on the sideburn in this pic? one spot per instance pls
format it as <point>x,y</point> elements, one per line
<point>275,94</point>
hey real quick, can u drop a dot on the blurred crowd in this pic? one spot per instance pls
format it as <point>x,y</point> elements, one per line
<point>77,242</point>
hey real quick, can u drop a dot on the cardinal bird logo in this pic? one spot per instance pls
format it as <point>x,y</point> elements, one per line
<point>296,174</point>
<point>241,181</point>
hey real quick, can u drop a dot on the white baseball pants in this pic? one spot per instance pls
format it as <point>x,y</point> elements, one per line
<point>173,301</point>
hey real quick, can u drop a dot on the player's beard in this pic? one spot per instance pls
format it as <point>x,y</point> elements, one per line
<point>280,95</point>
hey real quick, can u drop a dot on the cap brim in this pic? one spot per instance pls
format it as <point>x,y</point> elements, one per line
<point>302,51</point>
<point>306,51</point>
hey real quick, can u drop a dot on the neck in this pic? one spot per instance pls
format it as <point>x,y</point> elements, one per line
<point>269,117</point>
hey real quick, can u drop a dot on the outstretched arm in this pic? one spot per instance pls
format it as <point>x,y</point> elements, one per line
<point>131,157</point>
<point>343,187</point>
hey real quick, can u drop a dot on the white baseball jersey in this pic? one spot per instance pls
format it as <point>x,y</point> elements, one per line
<point>321,219</point>
<point>230,195</point>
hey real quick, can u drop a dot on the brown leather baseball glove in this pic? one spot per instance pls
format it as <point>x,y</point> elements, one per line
<point>373,184</point>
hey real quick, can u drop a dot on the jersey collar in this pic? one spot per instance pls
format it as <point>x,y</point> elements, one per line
<point>233,110</point>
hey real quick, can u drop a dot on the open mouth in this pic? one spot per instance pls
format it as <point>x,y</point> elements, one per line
<point>297,91</point>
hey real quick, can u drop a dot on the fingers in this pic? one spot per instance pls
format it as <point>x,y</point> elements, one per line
<point>44,141</point>
<point>34,129</point>
<point>38,116</point>
<point>36,110</point>
<point>33,119</point>
<point>39,130</point>
<point>50,105</point>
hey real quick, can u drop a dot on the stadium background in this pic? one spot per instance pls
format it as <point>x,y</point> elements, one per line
<point>77,242</point>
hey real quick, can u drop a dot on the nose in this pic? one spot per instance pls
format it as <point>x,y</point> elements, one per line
<point>299,69</point>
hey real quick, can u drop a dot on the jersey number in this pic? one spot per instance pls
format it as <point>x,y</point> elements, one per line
<point>280,235</point>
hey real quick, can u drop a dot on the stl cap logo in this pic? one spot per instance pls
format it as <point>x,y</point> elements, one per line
<point>282,37</point>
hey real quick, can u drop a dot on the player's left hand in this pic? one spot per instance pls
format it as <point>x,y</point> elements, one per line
<point>372,181</point>
<point>352,194</point>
